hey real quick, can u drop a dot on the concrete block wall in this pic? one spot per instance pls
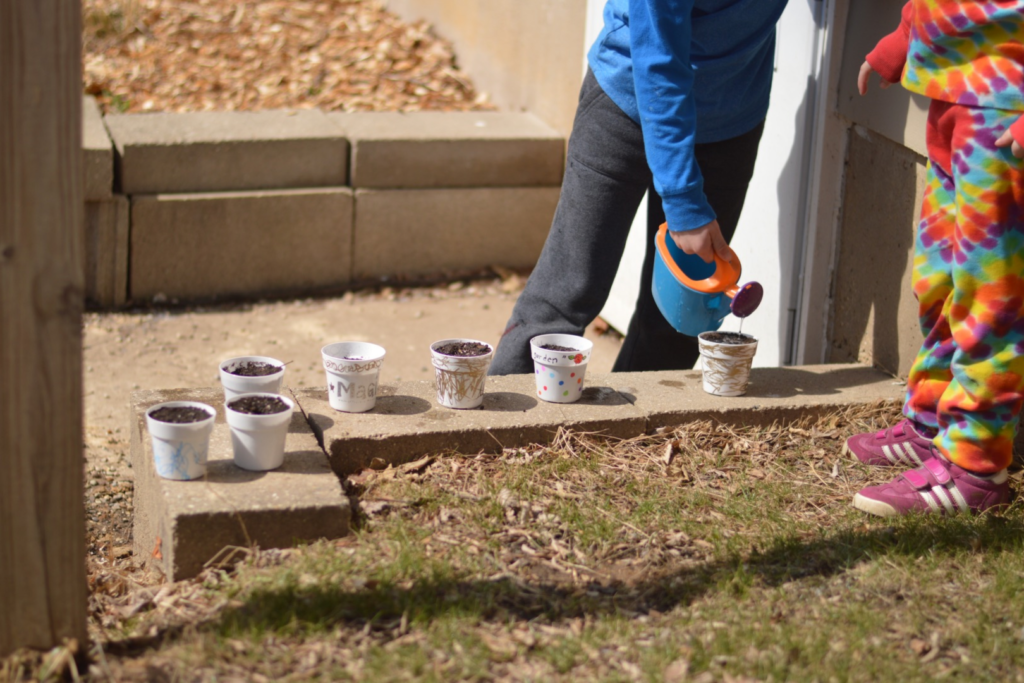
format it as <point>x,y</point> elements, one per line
<point>211,205</point>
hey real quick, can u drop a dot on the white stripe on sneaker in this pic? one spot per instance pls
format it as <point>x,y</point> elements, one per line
<point>930,499</point>
<point>901,450</point>
<point>912,454</point>
<point>943,497</point>
<point>959,498</point>
<point>895,460</point>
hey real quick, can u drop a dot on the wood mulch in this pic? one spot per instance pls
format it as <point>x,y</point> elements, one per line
<point>248,55</point>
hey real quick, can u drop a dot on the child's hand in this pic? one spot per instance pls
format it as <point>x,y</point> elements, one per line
<point>1006,140</point>
<point>864,75</point>
<point>705,241</point>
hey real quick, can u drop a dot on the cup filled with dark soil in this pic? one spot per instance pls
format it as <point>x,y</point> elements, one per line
<point>559,365</point>
<point>259,428</point>
<point>180,437</point>
<point>353,371</point>
<point>725,360</point>
<point>251,374</point>
<point>460,371</point>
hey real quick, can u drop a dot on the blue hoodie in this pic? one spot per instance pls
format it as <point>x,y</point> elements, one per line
<point>688,71</point>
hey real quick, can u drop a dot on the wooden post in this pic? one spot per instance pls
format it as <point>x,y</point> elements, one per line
<point>42,520</point>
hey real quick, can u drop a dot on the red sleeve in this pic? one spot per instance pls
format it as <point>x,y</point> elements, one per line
<point>889,56</point>
<point>1017,131</point>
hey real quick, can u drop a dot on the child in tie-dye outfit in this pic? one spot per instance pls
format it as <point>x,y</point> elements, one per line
<point>965,389</point>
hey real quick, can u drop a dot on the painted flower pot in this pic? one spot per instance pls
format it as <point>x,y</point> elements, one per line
<point>726,366</point>
<point>559,369</point>
<point>236,385</point>
<point>180,449</point>
<point>257,440</point>
<point>460,379</point>
<point>353,370</point>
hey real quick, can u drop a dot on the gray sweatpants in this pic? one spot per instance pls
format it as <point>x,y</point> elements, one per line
<point>605,179</point>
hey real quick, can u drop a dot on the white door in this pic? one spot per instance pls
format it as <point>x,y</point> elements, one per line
<point>769,239</point>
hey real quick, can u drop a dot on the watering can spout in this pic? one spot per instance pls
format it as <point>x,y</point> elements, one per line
<point>695,296</point>
<point>745,299</point>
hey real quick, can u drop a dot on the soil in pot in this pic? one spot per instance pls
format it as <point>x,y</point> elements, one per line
<point>179,414</point>
<point>254,369</point>
<point>258,405</point>
<point>556,347</point>
<point>728,338</point>
<point>463,349</point>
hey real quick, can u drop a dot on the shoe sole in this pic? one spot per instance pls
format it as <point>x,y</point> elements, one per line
<point>873,507</point>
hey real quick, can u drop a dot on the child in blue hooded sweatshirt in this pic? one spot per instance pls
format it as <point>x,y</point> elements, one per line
<point>674,101</point>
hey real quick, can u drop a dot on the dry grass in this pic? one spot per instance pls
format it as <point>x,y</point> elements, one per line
<point>705,553</point>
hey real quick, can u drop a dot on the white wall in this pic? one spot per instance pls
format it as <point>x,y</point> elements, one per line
<point>769,237</point>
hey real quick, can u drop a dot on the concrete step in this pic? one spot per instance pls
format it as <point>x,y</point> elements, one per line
<point>451,149</point>
<point>420,232</point>
<point>179,526</point>
<point>106,251</point>
<point>434,192</point>
<point>227,151</point>
<point>198,246</point>
<point>97,153</point>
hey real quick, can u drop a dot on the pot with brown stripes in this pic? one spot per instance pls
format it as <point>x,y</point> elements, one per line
<point>725,359</point>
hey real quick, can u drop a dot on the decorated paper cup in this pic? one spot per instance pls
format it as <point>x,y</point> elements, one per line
<point>725,366</point>
<point>460,379</point>
<point>559,369</point>
<point>353,369</point>
<point>180,449</point>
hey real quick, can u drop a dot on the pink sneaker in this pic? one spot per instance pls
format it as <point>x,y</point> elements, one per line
<point>938,486</point>
<point>899,445</point>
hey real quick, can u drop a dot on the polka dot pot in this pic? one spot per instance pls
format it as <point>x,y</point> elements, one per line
<point>560,367</point>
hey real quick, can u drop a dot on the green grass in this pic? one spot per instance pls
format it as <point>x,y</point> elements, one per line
<point>742,560</point>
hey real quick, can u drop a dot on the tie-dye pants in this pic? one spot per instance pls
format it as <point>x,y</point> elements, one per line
<point>968,378</point>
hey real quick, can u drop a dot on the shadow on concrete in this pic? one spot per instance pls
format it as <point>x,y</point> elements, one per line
<point>508,402</point>
<point>788,382</point>
<point>227,472</point>
<point>604,396</point>
<point>399,405</point>
<point>295,462</point>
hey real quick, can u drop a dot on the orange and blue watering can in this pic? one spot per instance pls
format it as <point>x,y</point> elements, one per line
<point>695,296</point>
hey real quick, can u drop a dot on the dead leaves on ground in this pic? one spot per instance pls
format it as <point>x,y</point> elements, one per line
<point>527,496</point>
<point>247,55</point>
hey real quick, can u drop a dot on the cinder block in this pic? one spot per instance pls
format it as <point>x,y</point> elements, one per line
<point>419,232</point>
<point>106,252</point>
<point>181,525</point>
<point>407,423</point>
<point>228,151</point>
<point>671,398</point>
<point>198,246</point>
<point>451,149</point>
<point>98,153</point>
